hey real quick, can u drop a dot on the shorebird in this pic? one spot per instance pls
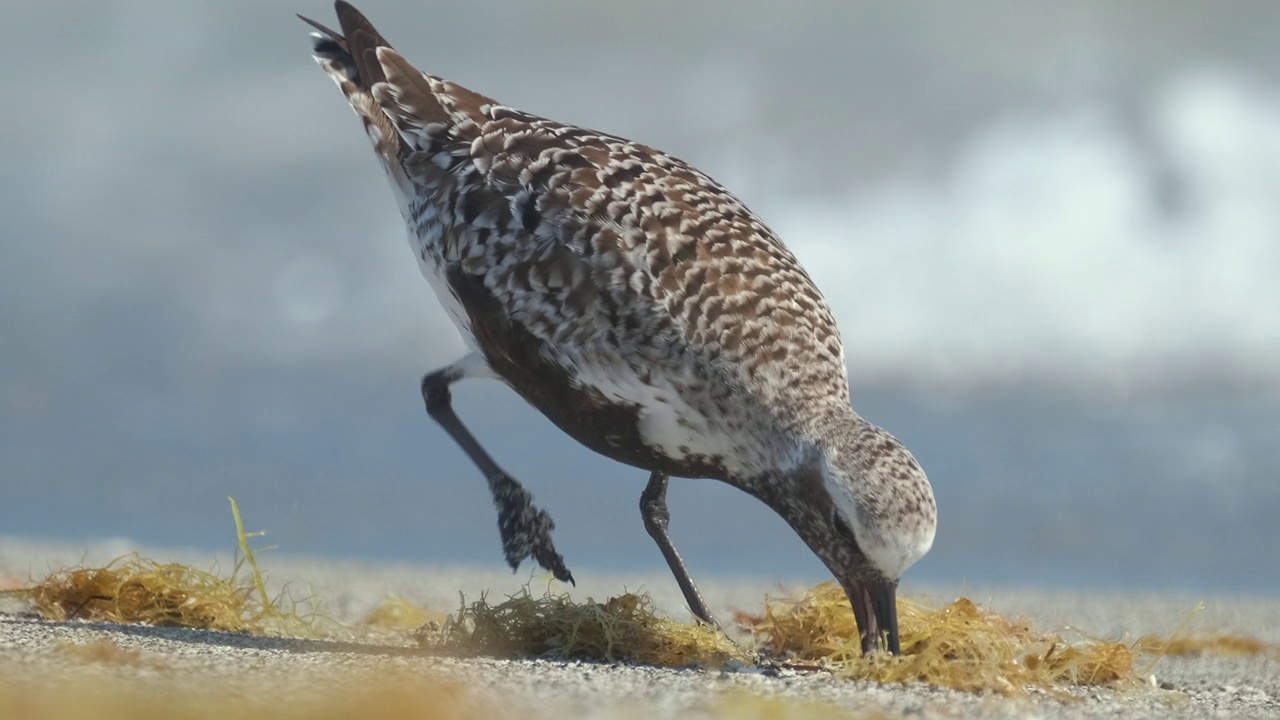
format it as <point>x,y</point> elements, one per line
<point>644,310</point>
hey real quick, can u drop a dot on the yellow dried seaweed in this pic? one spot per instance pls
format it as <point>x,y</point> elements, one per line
<point>958,646</point>
<point>622,629</point>
<point>396,613</point>
<point>1219,644</point>
<point>134,589</point>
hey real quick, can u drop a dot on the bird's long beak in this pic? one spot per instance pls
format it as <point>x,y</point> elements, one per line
<point>875,607</point>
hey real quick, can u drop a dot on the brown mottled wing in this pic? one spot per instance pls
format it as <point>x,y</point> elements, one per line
<point>593,241</point>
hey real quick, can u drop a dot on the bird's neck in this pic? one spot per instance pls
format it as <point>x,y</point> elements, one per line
<point>835,424</point>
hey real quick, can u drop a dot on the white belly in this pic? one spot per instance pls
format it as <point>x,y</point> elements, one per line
<point>669,424</point>
<point>433,270</point>
<point>425,242</point>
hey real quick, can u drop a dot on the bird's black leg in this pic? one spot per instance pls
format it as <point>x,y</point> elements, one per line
<point>653,508</point>
<point>526,530</point>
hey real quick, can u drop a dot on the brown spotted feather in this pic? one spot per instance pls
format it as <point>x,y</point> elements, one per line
<point>569,225</point>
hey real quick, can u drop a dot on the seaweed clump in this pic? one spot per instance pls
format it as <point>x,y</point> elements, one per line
<point>134,589</point>
<point>396,613</point>
<point>959,646</point>
<point>1218,644</point>
<point>622,629</point>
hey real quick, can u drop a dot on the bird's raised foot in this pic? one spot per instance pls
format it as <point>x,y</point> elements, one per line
<point>526,530</point>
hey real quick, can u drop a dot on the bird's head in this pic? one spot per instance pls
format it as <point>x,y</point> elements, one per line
<point>868,514</point>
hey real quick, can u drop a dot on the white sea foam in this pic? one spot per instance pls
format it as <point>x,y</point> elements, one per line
<point>1047,248</point>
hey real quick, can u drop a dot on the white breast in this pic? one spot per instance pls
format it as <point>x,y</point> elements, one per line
<point>669,423</point>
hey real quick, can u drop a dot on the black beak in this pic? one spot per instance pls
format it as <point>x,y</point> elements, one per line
<point>875,607</point>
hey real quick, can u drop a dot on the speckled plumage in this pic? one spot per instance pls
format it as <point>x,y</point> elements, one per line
<point>636,303</point>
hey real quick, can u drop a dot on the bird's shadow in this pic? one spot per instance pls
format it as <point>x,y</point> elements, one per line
<point>222,638</point>
<point>303,646</point>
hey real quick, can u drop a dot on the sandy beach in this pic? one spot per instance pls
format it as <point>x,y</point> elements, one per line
<point>191,664</point>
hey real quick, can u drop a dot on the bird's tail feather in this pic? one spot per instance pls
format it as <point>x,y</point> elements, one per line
<point>350,58</point>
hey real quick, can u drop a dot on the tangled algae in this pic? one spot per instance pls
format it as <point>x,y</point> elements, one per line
<point>396,613</point>
<point>134,589</point>
<point>958,646</point>
<point>1216,644</point>
<point>621,629</point>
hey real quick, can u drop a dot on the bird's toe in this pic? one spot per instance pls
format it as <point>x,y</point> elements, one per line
<point>526,532</point>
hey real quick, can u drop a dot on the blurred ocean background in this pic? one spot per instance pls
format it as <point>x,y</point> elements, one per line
<point>1050,233</point>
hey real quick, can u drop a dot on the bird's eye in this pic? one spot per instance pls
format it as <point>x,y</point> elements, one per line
<point>843,528</point>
